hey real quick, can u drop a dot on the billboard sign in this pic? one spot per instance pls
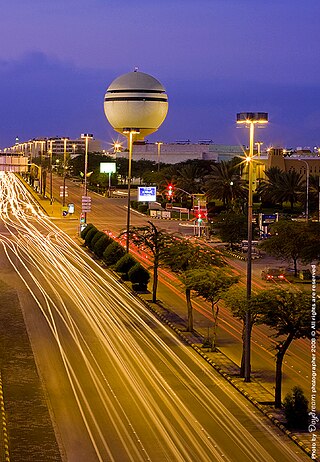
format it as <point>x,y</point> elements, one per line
<point>268,219</point>
<point>147,194</point>
<point>107,167</point>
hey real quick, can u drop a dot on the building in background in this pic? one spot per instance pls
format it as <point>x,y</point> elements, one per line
<point>181,151</point>
<point>168,153</point>
<point>303,161</point>
<point>13,163</point>
<point>289,160</point>
<point>39,146</point>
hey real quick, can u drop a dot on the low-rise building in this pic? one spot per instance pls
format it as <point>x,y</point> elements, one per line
<point>58,145</point>
<point>181,151</point>
<point>13,163</point>
<point>300,160</point>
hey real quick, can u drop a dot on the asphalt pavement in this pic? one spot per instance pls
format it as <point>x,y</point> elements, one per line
<point>256,391</point>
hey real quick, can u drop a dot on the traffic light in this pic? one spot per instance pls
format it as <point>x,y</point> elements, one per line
<point>170,192</point>
<point>199,217</point>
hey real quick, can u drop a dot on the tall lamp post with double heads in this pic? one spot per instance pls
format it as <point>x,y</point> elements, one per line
<point>86,137</point>
<point>158,143</point>
<point>130,133</point>
<point>64,171</point>
<point>318,151</point>
<point>307,186</point>
<point>51,185</point>
<point>250,119</point>
<point>135,105</point>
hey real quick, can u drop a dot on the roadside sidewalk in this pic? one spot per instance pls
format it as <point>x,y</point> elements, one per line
<point>53,210</point>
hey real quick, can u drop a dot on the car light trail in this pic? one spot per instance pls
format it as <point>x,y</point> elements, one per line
<point>114,357</point>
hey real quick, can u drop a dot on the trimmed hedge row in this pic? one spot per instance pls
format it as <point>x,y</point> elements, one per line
<point>115,256</point>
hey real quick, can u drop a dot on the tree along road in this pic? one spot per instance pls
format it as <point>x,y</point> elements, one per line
<point>109,214</point>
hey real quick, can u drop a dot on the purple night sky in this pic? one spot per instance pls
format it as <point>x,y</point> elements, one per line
<point>214,57</point>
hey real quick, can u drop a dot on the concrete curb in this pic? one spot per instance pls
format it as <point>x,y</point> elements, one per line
<point>273,419</point>
<point>239,257</point>
<point>4,425</point>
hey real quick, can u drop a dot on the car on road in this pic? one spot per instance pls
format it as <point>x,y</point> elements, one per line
<point>273,274</point>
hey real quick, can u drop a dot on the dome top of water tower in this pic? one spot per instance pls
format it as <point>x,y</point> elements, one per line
<point>136,100</point>
<point>136,81</point>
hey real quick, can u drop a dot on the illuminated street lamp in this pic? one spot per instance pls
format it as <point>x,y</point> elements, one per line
<point>318,150</point>
<point>51,186</point>
<point>259,144</point>
<point>86,137</point>
<point>159,143</point>
<point>250,119</point>
<point>42,144</point>
<point>319,199</point>
<point>117,147</point>
<point>307,187</point>
<point>129,133</point>
<point>64,170</point>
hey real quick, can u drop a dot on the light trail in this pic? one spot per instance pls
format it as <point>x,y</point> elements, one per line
<point>298,359</point>
<point>138,399</point>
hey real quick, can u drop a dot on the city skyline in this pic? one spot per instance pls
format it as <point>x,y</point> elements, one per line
<point>215,58</point>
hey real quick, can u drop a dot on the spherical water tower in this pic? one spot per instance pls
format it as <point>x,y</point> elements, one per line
<point>135,104</point>
<point>136,101</point>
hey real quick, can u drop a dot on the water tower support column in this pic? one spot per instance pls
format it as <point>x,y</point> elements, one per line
<point>129,132</point>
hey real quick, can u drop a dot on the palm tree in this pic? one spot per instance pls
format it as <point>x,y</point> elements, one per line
<point>282,186</point>
<point>268,188</point>
<point>190,178</point>
<point>225,183</point>
<point>291,187</point>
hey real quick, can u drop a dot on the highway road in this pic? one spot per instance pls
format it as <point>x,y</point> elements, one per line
<point>110,215</point>
<point>121,386</point>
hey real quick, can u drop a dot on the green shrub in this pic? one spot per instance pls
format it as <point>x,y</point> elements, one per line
<point>85,230</point>
<point>139,277</point>
<point>89,236</point>
<point>143,208</point>
<point>95,238</point>
<point>113,253</point>
<point>124,264</point>
<point>296,409</point>
<point>101,245</point>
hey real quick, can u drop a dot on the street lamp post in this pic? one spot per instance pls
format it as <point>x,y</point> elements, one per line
<point>307,187</point>
<point>51,186</point>
<point>64,171</point>
<point>42,145</point>
<point>117,147</point>
<point>158,143</point>
<point>130,133</point>
<point>319,200</point>
<point>250,119</point>
<point>29,147</point>
<point>259,144</point>
<point>86,137</point>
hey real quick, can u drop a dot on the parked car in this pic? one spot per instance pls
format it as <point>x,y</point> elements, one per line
<point>273,274</point>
